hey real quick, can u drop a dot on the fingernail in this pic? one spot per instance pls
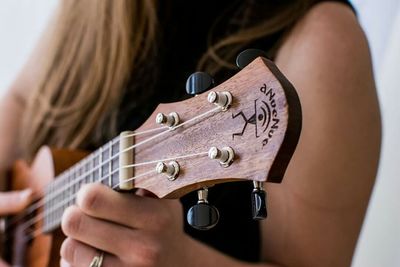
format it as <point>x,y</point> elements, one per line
<point>25,194</point>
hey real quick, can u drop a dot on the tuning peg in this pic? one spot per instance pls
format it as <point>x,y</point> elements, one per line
<point>247,56</point>
<point>198,83</point>
<point>202,216</point>
<point>258,202</point>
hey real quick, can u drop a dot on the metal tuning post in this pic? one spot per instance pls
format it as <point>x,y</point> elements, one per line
<point>224,155</point>
<point>258,201</point>
<point>202,216</point>
<point>198,83</point>
<point>247,56</point>
<point>170,170</point>
<point>221,99</point>
<point>169,120</point>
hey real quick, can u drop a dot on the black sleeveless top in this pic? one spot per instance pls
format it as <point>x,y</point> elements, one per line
<point>236,234</point>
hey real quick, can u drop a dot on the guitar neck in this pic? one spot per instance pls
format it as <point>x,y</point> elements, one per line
<point>100,166</point>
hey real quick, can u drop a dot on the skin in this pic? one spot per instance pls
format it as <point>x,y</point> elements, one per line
<point>315,214</point>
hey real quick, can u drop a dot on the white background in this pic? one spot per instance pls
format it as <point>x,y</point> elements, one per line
<point>22,21</point>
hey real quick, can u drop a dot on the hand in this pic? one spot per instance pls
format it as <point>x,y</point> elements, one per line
<point>132,230</point>
<point>13,202</point>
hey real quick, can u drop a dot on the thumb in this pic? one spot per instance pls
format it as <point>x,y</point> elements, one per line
<point>14,201</point>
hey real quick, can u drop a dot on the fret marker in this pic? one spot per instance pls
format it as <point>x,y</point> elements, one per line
<point>224,155</point>
<point>171,170</point>
<point>221,99</point>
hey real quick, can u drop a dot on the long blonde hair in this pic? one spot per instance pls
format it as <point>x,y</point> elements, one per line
<point>95,48</point>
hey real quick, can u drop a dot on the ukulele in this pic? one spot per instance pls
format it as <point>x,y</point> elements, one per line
<point>246,128</point>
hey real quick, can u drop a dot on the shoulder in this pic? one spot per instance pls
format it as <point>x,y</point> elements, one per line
<point>328,33</point>
<point>326,56</point>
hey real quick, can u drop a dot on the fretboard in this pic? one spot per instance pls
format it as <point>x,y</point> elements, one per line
<point>100,166</point>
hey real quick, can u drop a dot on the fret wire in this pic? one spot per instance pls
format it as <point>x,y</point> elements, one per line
<point>70,176</point>
<point>48,203</point>
<point>101,163</point>
<point>68,181</point>
<point>62,175</point>
<point>87,169</point>
<point>115,163</point>
<point>98,169</point>
<point>91,167</point>
<point>110,164</point>
<point>75,186</point>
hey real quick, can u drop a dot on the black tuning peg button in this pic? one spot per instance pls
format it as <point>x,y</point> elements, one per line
<point>198,83</point>
<point>258,202</point>
<point>247,56</point>
<point>202,216</point>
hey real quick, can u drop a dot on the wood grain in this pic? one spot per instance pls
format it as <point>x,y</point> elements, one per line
<point>258,86</point>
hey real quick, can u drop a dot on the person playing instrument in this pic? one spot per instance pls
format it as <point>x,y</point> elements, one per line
<point>103,66</point>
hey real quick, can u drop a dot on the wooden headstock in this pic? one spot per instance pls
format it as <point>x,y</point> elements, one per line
<point>262,126</point>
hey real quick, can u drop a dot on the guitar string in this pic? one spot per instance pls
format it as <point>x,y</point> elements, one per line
<point>35,233</point>
<point>140,143</point>
<point>56,208</point>
<point>65,202</point>
<point>32,235</point>
<point>170,129</point>
<point>91,156</point>
<point>38,203</point>
<point>147,141</point>
<point>61,190</point>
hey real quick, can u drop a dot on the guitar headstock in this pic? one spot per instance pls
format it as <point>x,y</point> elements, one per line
<point>261,126</point>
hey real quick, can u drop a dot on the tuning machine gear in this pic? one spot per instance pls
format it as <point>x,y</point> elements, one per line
<point>258,201</point>
<point>202,216</point>
<point>247,56</point>
<point>198,83</point>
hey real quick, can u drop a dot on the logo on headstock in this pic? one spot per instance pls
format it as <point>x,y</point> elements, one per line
<point>265,116</point>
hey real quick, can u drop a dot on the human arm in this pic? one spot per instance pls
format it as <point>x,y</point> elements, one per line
<point>13,104</point>
<point>12,108</point>
<point>317,213</point>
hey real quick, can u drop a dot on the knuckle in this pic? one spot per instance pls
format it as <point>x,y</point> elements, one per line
<point>89,197</point>
<point>71,221</point>
<point>145,253</point>
<point>151,256</point>
<point>150,253</point>
<point>68,249</point>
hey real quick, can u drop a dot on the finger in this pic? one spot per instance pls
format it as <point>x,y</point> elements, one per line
<point>75,253</point>
<point>15,201</point>
<point>3,264</point>
<point>64,263</point>
<point>127,209</point>
<point>125,243</point>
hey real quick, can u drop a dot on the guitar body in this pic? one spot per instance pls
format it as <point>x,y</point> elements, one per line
<point>44,250</point>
